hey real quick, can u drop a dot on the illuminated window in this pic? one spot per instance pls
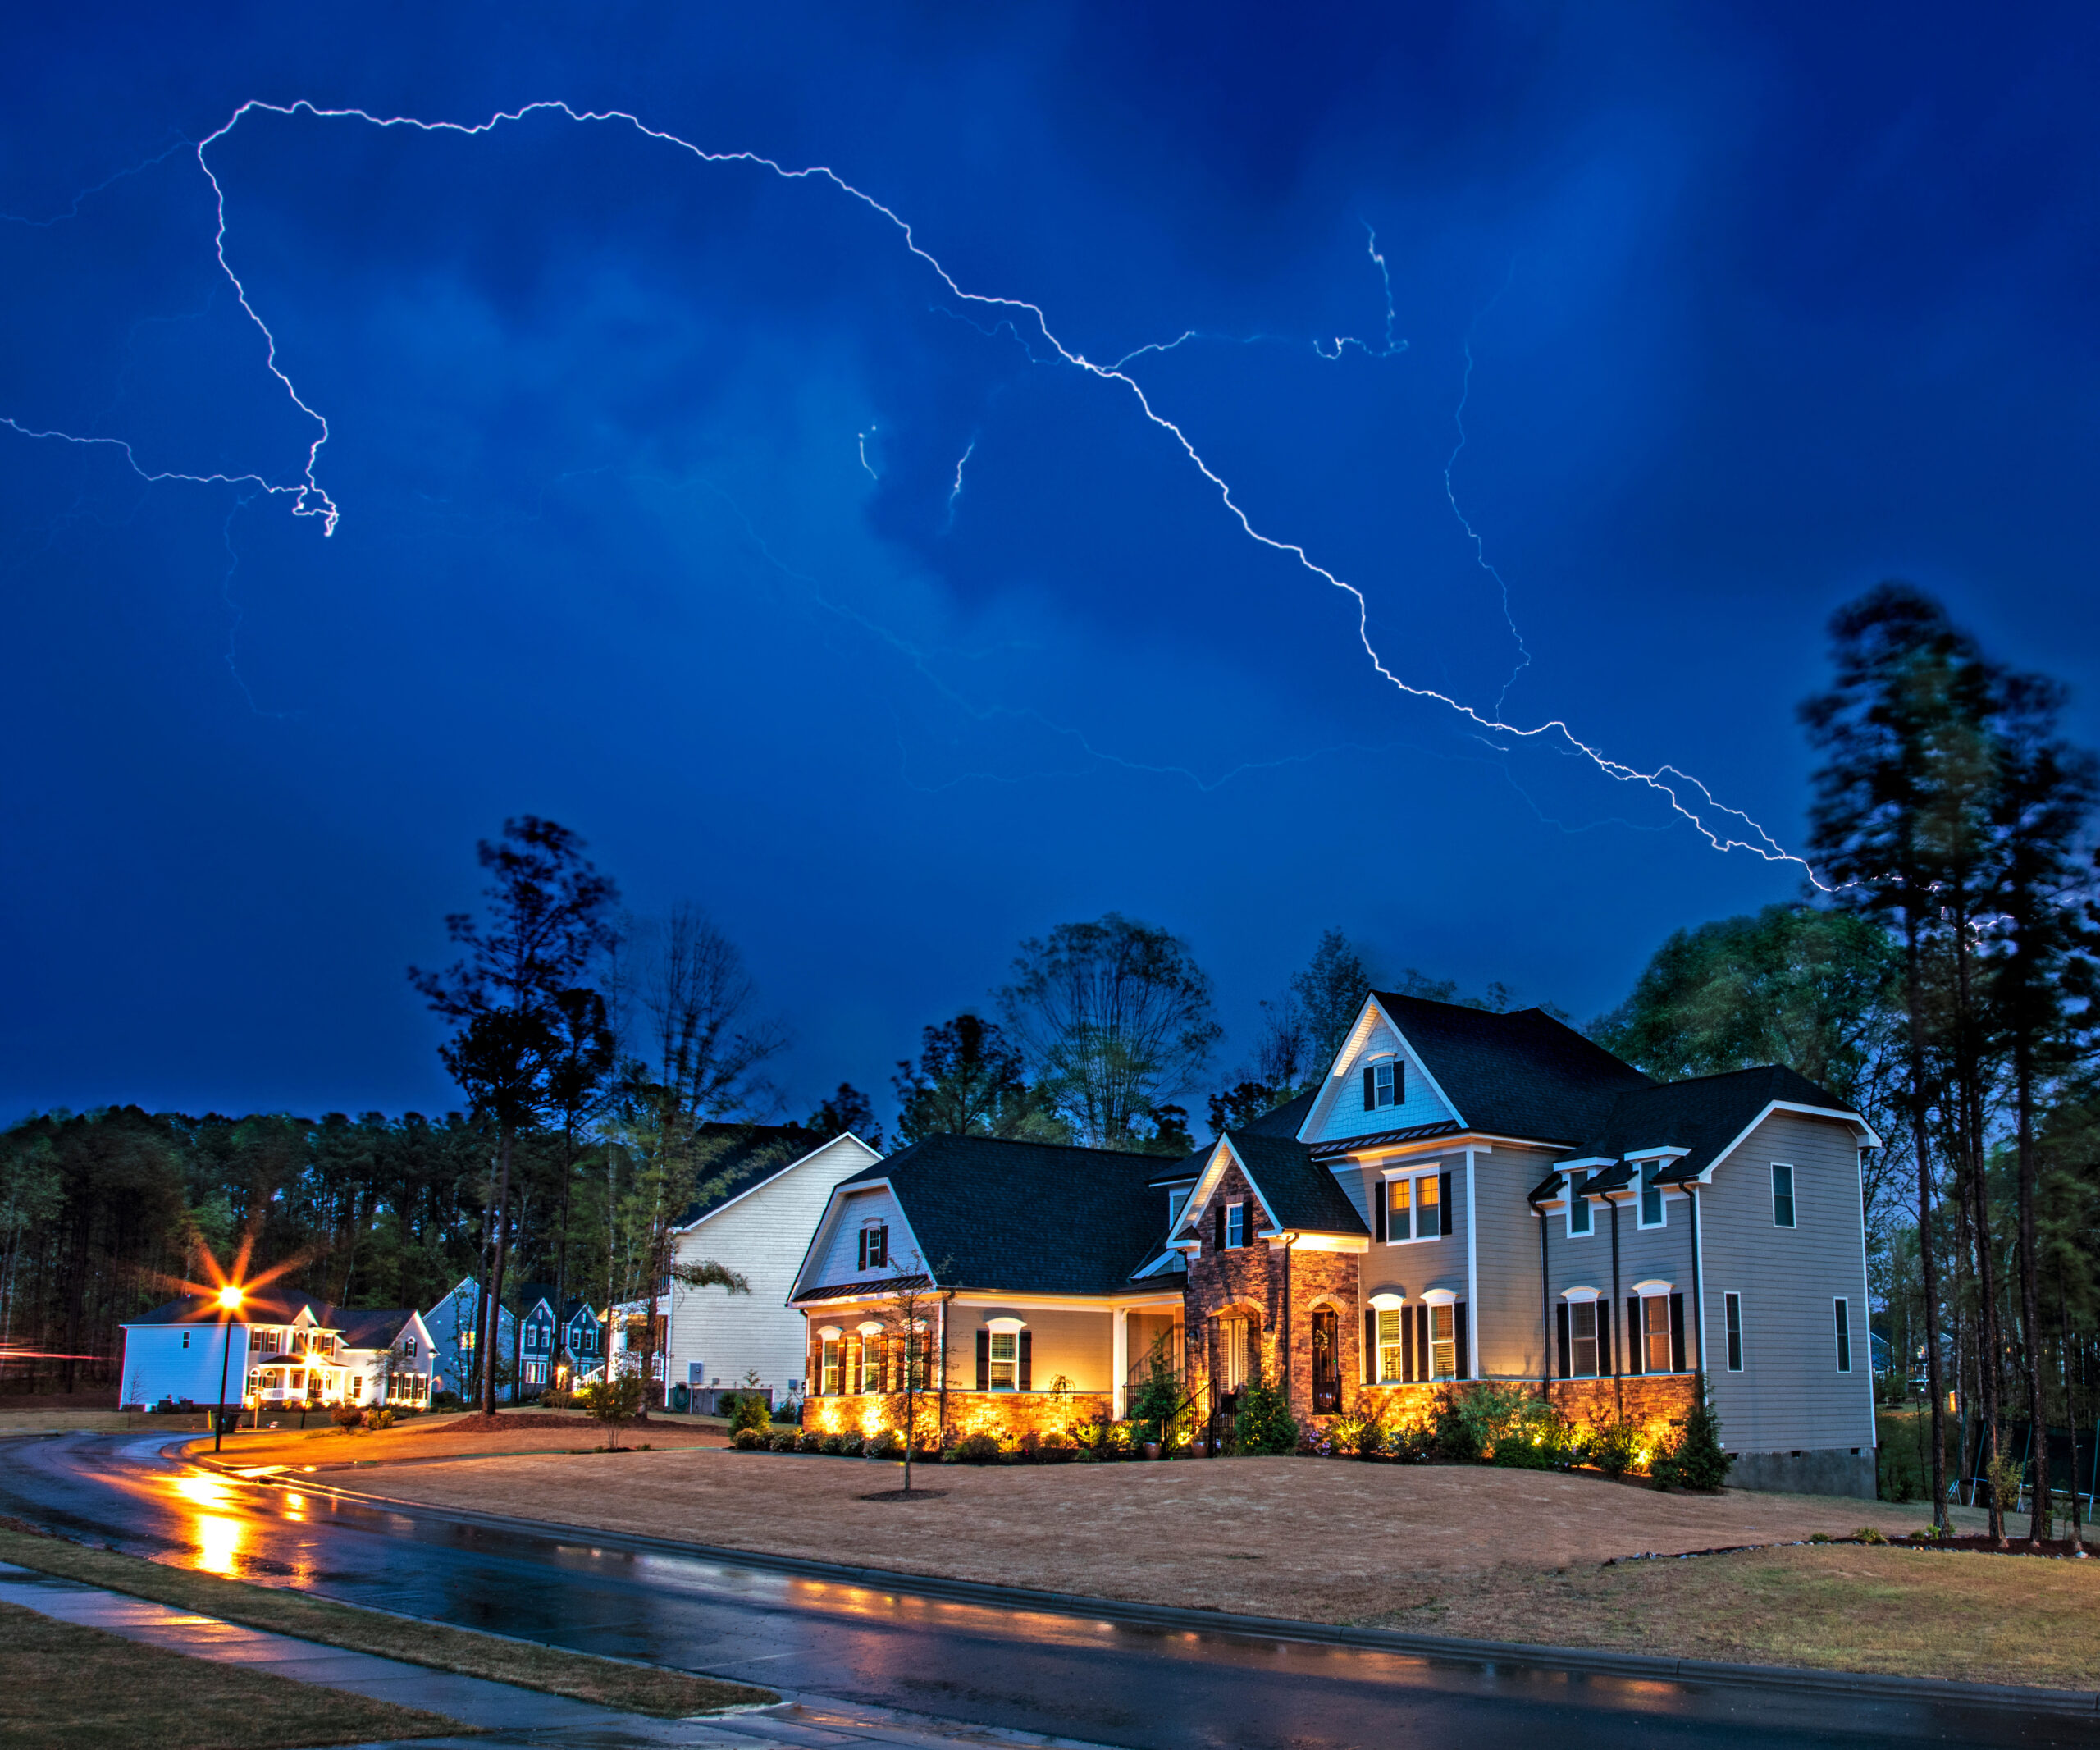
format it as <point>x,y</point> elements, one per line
<point>1442,1342</point>
<point>1390,1360</point>
<point>1415,1207</point>
<point>1006,1360</point>
<point>1232,1354</point>
<point>1655,1333</point>
<point>829,1369</point>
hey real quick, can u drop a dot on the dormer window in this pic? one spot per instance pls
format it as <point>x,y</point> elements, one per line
<point>1384,1083</point>
<point>875,1245</point>
<point>1578,1205</point>
<point>1235,1225</point>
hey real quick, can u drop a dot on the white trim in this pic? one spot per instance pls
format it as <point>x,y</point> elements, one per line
<point>1005,1324</point>
<point>1317,1242</point>
<point>1793,1197</point>
<point>1574,1295</point>
<point>1863,1129</point>
<point>1118,1360</point>
<point>1472,1275</point>
<point>1741,1341</point>
<point>1654,1285</point>
<point>1858,1202</point>
<point>1655,1154</point>
<point>875,1285</point>
<point>1450,1142</point>
<point>1438,1170</point>
<point>1440,1297</point>
<point>1388,1302</point>
<point>1330,1090</point>
<point>830,1333</point>
<point>1573,1197</point>
<point>869,1327</point>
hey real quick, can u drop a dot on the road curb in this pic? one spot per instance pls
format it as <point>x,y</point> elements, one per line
<point>1447,1649</point>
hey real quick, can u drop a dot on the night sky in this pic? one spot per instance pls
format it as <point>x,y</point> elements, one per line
<point>656,517</point>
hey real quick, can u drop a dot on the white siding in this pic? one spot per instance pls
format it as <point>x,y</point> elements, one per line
<point>763,1235</point>
<point>157,1366</point>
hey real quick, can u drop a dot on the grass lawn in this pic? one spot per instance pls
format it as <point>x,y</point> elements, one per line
<point>1500,1555</point>
<point>1987,1619</point>
<point>63,1686</point>
<point>324,1446</point>
<point>637,1689</point>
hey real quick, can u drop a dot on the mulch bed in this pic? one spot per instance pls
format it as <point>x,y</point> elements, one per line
<point>906,1495</point>
<point>2058,1547</point>
<point>508,1422</point>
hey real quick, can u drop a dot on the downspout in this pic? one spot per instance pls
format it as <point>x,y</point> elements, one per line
<point>1546,1310</point>
<point>1699,1293</point>
<point>1472,1278</point>
<point>1618,1390</point>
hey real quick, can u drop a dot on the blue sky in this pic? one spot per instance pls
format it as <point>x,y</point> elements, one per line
<point>647,469</point>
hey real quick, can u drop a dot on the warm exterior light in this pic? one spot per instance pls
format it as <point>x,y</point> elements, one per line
<point>230,1298</point>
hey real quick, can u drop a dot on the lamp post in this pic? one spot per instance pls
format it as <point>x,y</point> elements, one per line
<point>230,1298</point>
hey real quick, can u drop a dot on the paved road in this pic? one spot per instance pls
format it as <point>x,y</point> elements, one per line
<point>1106,1684</point>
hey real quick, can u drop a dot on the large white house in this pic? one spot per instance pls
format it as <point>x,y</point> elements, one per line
<point>758,1225</point>
<point>277,1348</point>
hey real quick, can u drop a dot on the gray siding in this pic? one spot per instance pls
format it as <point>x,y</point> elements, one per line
<point>1789,1396</point>
<point>1410,1267</point>
<point>1506,1299</point>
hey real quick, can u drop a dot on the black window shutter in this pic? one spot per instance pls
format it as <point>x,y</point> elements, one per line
<point>1027,1361</point>
<point>1380,1195</point>
<point>1218,1222</point>
<point>1676,1334</point>
<point>1400,1081</point>
<point>1461,1350</point>
<point>1444,1199</point>
<point>1370,1089</point>
<point>862,1263</point>
<point>1566,1344</point>
<point>1636,1338</point>
<point>1422,1342</point>
<point>983,1360</point>
<point>1370,1345</point>
<point>1605,1366</point>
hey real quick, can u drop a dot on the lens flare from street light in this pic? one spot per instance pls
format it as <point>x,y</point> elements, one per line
<point>230,1298</point>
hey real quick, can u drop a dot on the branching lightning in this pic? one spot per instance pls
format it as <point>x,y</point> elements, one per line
<point>954,491</point>
<point>1472,534</point>
<point>310,499</point>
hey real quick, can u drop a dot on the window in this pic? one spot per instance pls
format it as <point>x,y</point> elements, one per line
<point>874,1246</point>
<point>1236,1224</point>
<point>1844,1336</point>
<point>409,1350</point>
<point>1582,1327</point>
<point>357,1387</point>
<point>1232,1353</point>
<point>1651,1194</point>
<point>1442,1342</point>
<point>1389,1360</point>
<point>1579,1212</point>
<point>1782,1195</point>
<point>1006,1360</point>
<point>185,1340</point>
<point>1655,1333</point>
<point>1384,1084</point>
<point>828,1367</point>
<point>1733,1305</point>
<point>1415,1207</point>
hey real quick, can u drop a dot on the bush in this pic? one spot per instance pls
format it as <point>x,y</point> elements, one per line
<point>1613,1447</point>
<point>613,1402</point>
<point>889,1444</point>
<point>379,1418</point>
<point>447,1401</point>
<point>851,1446</point>
<point>1695,1460</point>
<point>1265,1427</point>
<point>752,1412</point>
<point>788,1409</point>
<point>977,1449</point>
<point>832,1444</point>
<point>747,1440</point>
<point>555,1398</point>
<point>349,1417</point>
<point>786,1440</point>
<point>809,1440</point>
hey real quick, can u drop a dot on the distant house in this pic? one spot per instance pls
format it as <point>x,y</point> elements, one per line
<point>553,1347</point>
<point>758,1225</point>
<point>279,1349</point>
<point>454,1325</point>
<point>1464,1196</point>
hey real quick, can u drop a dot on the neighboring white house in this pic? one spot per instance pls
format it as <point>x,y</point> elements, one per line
<point>759,1226</point>
<point>277,1348</point>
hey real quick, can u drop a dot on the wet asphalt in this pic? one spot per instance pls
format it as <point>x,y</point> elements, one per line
<point>1146,1688</point>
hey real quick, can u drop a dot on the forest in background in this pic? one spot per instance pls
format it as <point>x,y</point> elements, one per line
<point>1938,976</point>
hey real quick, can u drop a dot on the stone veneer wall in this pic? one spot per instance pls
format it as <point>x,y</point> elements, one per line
<point>1008,1415</point>
<point>1651,1401</point>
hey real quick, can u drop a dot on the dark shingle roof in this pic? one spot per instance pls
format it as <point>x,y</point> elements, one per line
<point>1705,1114</point>
<point>374,1328</point>
<point>1285,1120</point>
<point>1178,1171</point>
<point>1523,1074</point>
<point>360,1327</point>
<point>1301,1192</point>
<point>1024,1216</point>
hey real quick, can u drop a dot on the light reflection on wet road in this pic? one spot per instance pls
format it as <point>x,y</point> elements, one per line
<point>1111,1684</point>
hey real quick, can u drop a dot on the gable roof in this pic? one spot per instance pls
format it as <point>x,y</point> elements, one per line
<point>263,1306</point>
<point>1520,1074</point>
<point>1300,1192</point>
<point>1022,1217</point>
<point>374,1328</point>
<point>750,1155</point>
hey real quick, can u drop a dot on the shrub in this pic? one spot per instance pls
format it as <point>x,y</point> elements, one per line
<point>889,1444</point>
<point>851,1446</point>
<point>379,1418</point>
<point>832,1444</point>
<point>446,1400</point>
<point>977,1449</point>
<point>1869,1534</point>
<point>1696,1459</point>
<point>1265,1427</point>
<point>747,1440</point>
<point>750,1411</point>
<point>613,1402</point>
<point>788,1409</point>
<point>809,1440</point>
<point>1613,1447</point>
<point>349,1417</point>
<point>555,1398</point>
<point>1056,1449</point>
<point>1030,1446</point>
<point>786,1440</point>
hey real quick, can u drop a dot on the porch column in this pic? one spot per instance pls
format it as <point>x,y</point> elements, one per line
<point>1119,1361</point>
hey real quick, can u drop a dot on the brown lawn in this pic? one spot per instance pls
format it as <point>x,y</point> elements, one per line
<point>423,1437</point>
<point>1499,1555</point>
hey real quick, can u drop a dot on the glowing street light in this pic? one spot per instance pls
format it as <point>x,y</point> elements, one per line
<point>230,1298</point>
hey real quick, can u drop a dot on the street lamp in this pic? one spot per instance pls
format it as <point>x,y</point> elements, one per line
<point>230,1299</point>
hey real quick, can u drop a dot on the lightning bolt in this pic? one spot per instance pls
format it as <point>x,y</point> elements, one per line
<point>1472,534</point>
<point>862,438</point>
<point>310,499</point>
<point>954,491</point>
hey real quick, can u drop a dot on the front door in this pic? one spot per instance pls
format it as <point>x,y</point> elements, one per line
<point>1327,1362</point>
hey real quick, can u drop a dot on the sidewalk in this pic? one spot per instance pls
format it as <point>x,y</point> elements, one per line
<point>504,1715</point>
